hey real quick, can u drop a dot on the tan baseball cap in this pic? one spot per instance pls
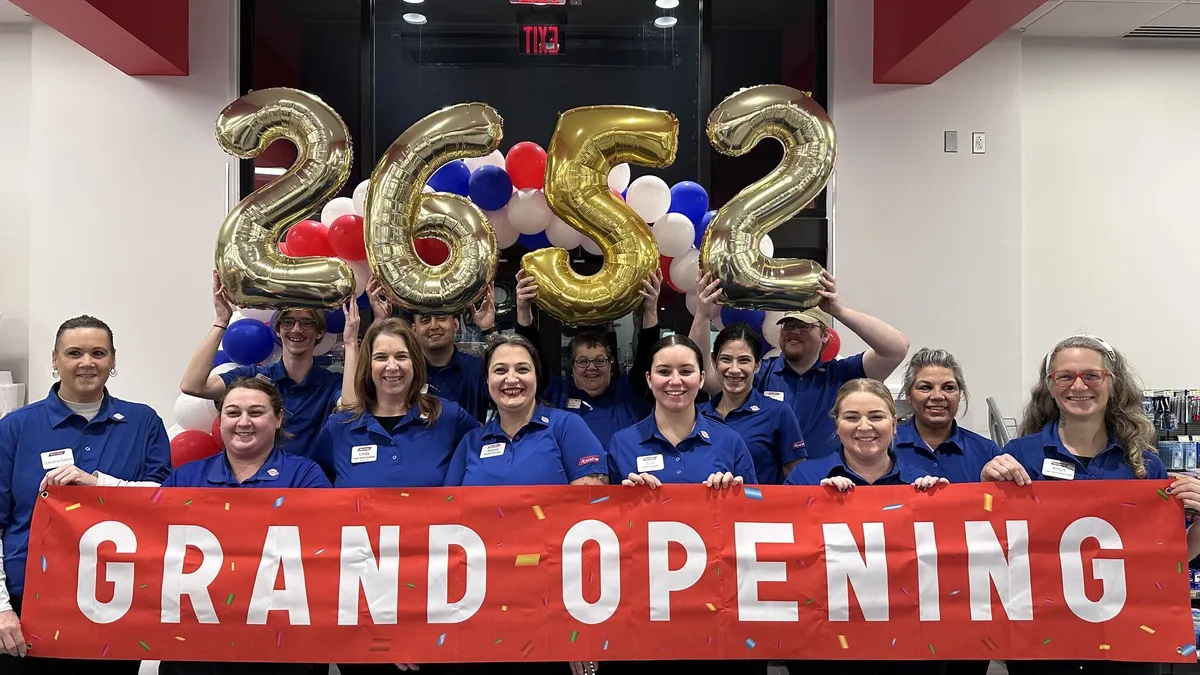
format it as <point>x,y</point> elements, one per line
<point>814,315</point>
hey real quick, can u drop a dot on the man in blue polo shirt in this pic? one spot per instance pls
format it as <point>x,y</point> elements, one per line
<point>809,385</point>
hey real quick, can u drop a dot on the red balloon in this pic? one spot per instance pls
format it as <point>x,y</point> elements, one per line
<point>618,194</point>
<point>283,247</point>
<point>832,347</point>
<point>191,445</point>
<point>309,238</point>
<point>432,251</point>
<point>526,166</point>
<point>216,433</point>
<point>346,238</point>
<point>664,264</point>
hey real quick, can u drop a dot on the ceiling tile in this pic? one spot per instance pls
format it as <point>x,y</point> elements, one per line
<point>1183,15</point>
<point>1076,18</point>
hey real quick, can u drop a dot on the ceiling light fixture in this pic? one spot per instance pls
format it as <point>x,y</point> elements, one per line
<point>415,19</point>
<point>269,170</point>
<point>662,4</point>
<point>665,21</point>
<point>414,2</point>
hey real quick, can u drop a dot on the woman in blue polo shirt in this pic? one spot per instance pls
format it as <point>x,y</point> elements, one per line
<point>78,434</point>
<point>768,427</point>
<point>252,428</point>
<point>1084,421</point>
<point>607,401</point>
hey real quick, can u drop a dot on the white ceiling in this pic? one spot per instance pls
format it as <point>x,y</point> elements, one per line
<point>1114,18</point>
<point>10,13</point>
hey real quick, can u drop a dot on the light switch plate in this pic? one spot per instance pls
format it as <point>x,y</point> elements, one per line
<point>977,144</point>
<point>951,141</point>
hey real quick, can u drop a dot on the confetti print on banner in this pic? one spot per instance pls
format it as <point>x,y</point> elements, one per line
<point>1158,585</point>
<point>441,639</point>
<point>104,652</point>
<point>750,644</point>
<point>528,560</point>
<point>229,600</point>
<point>809,502</point>
<point>188,503</point>
<point>226,506</point>
<point>537,511</point>
<point>753,493</point>
<point>989,644</point>
<point>1186,650</point>
<point>597,500</point>
<point>987,501</point>
<point>180,638</point>
<point>73,506</point>
<point>527,649</point>
<point>710,607</point>
<point>931,651</point>
<point>156,496</point>
<point>1146,628</point>
<point>278,503</point>
<point>842,641</point>
<point>144,645</point>
<point>1162,493</point>
<point>499,512</point>
<point>574,635</point>
<point>606,645</point>
<point>894,641</point>
<point>56,636</point>
<point>665,502</point>
<point>1046,642</point>
<point>893,507</point>
<point>43,563</point>
<point>1105,648</point>
<point>101,500</point>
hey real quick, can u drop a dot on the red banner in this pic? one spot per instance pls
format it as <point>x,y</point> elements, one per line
<point>1087,570</point>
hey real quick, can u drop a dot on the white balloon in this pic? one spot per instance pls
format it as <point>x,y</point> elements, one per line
<point>774,352</point>
<point>174,430</point>
<point>590,246</point>
<point>690,301</point>
<point>194,413</point>
<point>494,159</point>
<point>226,367</point>
<point>336,208</point>
<point>766,246</point>
<point>276,354</point>
<point>263,315</point>
<point>684,271</point>
<point>236,317</point>
<point>528,212</point>
<point>426,189</point>
<point>505,234</point>
<point>618,178</point>
<point>649,197</point>
<point>674,234</point>
<point>326,344</point>
<point>360,198</point>
<point>563,235</point>
<point>770,327</point>
<point>362,276</point>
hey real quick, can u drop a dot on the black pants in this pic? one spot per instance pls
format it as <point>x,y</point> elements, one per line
<point>729,667</point>
<point>1081,668</point>
<point>866,667</point>
<point>389,669</point>
<point>967,667</point>
<point>32,665</point>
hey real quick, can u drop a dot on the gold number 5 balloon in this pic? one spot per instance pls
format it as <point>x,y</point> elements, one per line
<point>398,213</point>
<point>730,251</point>
<point>248,260</point>
<point>586,144</point>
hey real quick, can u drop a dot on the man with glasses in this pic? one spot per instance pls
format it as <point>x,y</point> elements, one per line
<point>309,391</point>
<point>799,378</point>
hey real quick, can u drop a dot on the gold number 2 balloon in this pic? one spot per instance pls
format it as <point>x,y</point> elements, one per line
<point>398,213</point>
<point>730,249</point>
<point>248,261</point>
<point>586,144</point>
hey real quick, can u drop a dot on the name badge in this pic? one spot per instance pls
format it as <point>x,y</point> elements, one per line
<point>425,388</point>
<point>52,459</point>
<point>573,404</point>
<point>1056,468</point>
<point>648,463</point>
<point>491,450</point>
<point>777,395</point>
<point>364,453</point>
<point>753,408</point>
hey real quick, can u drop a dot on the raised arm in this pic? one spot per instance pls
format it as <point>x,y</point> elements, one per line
<point>887,346</point>
<point>708,291</point>
<point>651,288</point>
<point>350,365</point>
<point>197,380</point>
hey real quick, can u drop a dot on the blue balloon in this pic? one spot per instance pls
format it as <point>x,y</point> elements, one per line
<point>221,358</point>
<point>689,199</point>
<point>454,178</point>
<point>533,242</point>
<point>364,301</point>
<point>490,187</point>
<point>248,341</point>
<point>335,321</point>
<point>702,227</point>
<point>754,317</point>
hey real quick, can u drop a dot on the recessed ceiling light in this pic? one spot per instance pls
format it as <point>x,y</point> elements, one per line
<point>663,4</point>
<point>417,2</point>
<point>415,19</point>
<point>665,21</point>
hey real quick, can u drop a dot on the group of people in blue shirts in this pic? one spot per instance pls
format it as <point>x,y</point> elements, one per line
<point>411,410</point>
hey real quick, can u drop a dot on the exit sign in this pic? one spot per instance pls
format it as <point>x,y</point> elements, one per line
<point>540,39</point>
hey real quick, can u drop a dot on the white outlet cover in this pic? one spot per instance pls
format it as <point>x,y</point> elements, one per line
<point>978,146</point>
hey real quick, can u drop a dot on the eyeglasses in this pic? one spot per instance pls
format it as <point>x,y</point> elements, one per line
<point>1091,378</point>
<point>582,363</point>
<point>290,323</point>
<point>797,325</point>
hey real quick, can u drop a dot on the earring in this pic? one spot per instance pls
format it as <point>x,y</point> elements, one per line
<point>54,373</point>
<point>112,372</point>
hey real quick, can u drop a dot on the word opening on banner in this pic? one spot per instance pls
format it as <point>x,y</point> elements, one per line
<point>986,571</point>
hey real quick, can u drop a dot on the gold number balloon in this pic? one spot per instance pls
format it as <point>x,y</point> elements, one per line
<point>730,249</point>
<point>398,213</point>
<point>248,260</point>
<point>586,144</point>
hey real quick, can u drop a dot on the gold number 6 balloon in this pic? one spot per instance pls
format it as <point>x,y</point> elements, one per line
<point>398,213</point>
<point>586,144</point>
<point>730,249</point>
<point>248,260</point>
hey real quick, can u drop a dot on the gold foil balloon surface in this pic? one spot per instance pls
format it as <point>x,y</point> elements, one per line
<point>398,212</point>
<point>730,250</point>
<point>248,261</point>
<point>586,144</point>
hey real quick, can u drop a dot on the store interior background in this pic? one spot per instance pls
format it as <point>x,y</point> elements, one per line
<point>1080,217</point>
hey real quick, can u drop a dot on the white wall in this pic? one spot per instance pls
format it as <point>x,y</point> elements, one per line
<point>928,241</point>
<point>130,190</point>
<point>1111,176</point>
<point>15,178</point>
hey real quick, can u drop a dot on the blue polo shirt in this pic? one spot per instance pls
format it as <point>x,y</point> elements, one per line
<point>306,405</point>
<point>769,429</point>
<point>554,448</point>
<point>811,396</point>
<point>124,440</point>
<point>616,408</point>
<point>281,470</point>
<point>711,447</point>
<point>1044,452</point>
<point>814,471</point>
<point>959,459</point>
<point>364,455</point>
<point>462,381</point>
